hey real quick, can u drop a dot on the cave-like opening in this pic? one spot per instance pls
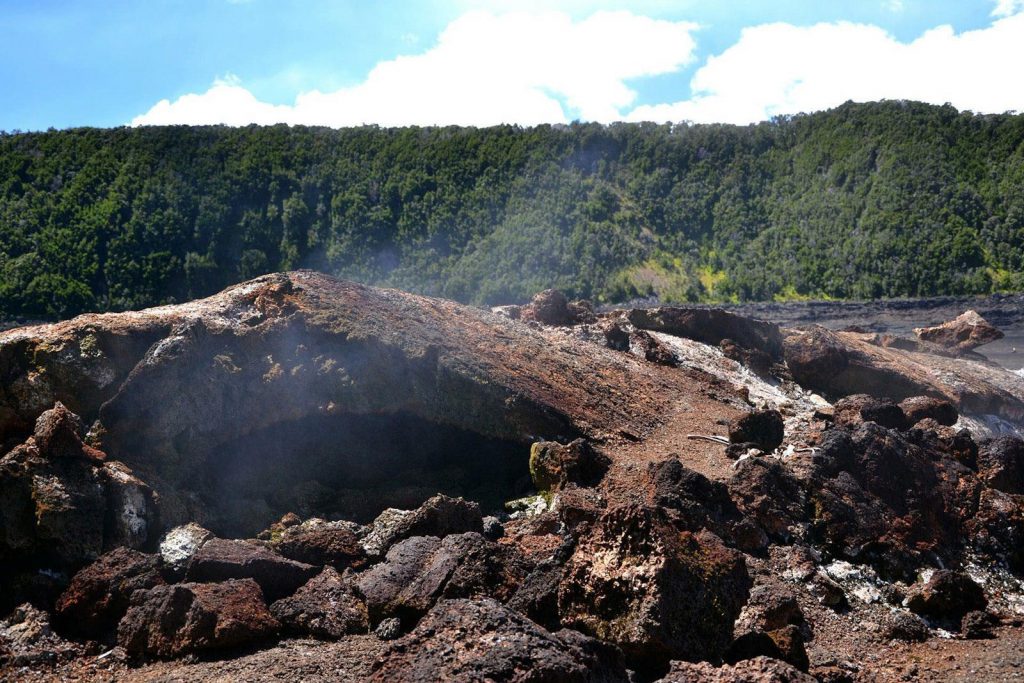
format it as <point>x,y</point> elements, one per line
<point>352,467</point>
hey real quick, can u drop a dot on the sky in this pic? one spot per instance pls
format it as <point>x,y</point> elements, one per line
<point>70,63</point>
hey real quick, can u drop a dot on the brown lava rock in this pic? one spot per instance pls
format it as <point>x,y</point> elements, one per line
<point>917,408</point>
<point>480,640</point>
<point>757,670</point>
<point>326,607</point>
<point>99,595</point>
<point>655,592</point>
<point>554,466</point>
<point>710,326</point>
<point>321,543</point>
<point>170,621</point>
<point>964,333</point>
<point>1001,464</point>
<point>947,597</point>
<point>220,559</point>
<point>763,428</point>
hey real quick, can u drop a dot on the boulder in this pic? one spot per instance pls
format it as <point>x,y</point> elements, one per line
<point>905,626</point>
<point>221,559</point>
<point>554,466</point>
<point>767,493</point>
<point>756,670</point>
<point>785,643</point>
<point>710,326</point>
<point>321,543</point>
<point>657,593</point>
<point>769,608</point>
<point>480,640</point>
<point>964,333</point>
<point>946,597</point>
<point>551,307</point>
<point>170,621</point>
<point>180,543</point>
<point>537,596</point>
<point>763,428</point>
<point>99,595</point>
<point>1001,464</point>
<point>326,607</point>
<point>438,516</point>
<point>978,625</point>
<point>917,408</point>
<point>852,411</point>
<point>58,434</point>
<point>28,642</point>
<point>419,571</point>
<point>652,350</point>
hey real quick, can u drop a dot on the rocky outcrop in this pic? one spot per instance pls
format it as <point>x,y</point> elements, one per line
<point>655,592</point>
<point>421,570</point>
<point>438,516</point>
<point>764,429</point>
<point>964,333</point>
<point>479,640</point>
<point>947,596</point>
<point>99,595</point>
<point>757,670</point>
<point>327,606</point>
<point>221,559</point>
<point>551,307</point>
<point>554,466</point>
<point>321,543</point>
<point>711,326</point>
<point>170,621</point>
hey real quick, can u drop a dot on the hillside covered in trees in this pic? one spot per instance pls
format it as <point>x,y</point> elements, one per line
<point>863,201</point>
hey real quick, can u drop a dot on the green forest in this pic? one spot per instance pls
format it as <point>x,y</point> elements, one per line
<point>866,200</point>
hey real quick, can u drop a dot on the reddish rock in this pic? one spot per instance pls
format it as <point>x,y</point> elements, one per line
<point>99,595</point>
<point>554,466</point>
<point>756,670</point>
<point>655,592</point>
<point>978,625</point>
<point>770,608</point>
<point>322,543</point>
<point>854,410</point>
<point>767,492</point>
<point>905,626</point>
<point>946,597</point>
<point>757,360</point>
<point>917,408</point>
<point>170,621</point>
<point>1001,464</point>
<point>326,607</point>
<point>551,307</point>
<point>763,428</point>
<point>480,640</point>
<point>221,559</point>
<point>964,333</point>
<point>58,434</point>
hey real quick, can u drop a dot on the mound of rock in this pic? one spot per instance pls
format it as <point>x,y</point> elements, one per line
<point>964,333</point>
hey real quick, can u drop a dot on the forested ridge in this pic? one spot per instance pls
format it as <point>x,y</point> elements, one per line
<point>866,200</point>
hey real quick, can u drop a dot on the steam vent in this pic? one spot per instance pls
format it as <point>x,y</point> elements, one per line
<point>308,479</point>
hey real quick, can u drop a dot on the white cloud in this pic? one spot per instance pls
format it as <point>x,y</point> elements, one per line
<point>784,69</point>
<point>1006,8</point>
<point>486,69</point>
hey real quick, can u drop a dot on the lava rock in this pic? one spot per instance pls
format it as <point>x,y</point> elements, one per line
<point>220,559</point>
<point>768,493</point>
<point>438,516</point>
<point>100,594</point>
<point>905,626</point>
<point>859,408</point>
<point>655,592</point>
<point>756,670</point>
<point>420,570</point>
<point>28,640</point>
<point>180,543</point>
<point>710,326</point>
<point>554,466</point>
<point>58,434</point>
<point>785,643</point>
<point>763,428</point>
<point>326,607</point>
<point>551,307</point>
<point>493,530</point>
<point>537,596</point>
<point>815,357</point>
<point>170,621</point>
<point>1001,464</point>
<point>770,608</point>
<point>389,629</point>
<point>917,408</point>
<point>978,625</point>
<point>757,360</point>
<point>480,640</point>
<point>964,333</point>
<point>652,350</point>
<point>946,597</point>
<point>321,543</point>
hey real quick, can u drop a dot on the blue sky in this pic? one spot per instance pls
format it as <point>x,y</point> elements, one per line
<point>347,62</point>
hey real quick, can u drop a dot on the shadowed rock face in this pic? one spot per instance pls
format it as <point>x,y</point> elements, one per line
<point>275,395</point>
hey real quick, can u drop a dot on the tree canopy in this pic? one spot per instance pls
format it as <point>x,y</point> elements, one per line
<point>867,200</point>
